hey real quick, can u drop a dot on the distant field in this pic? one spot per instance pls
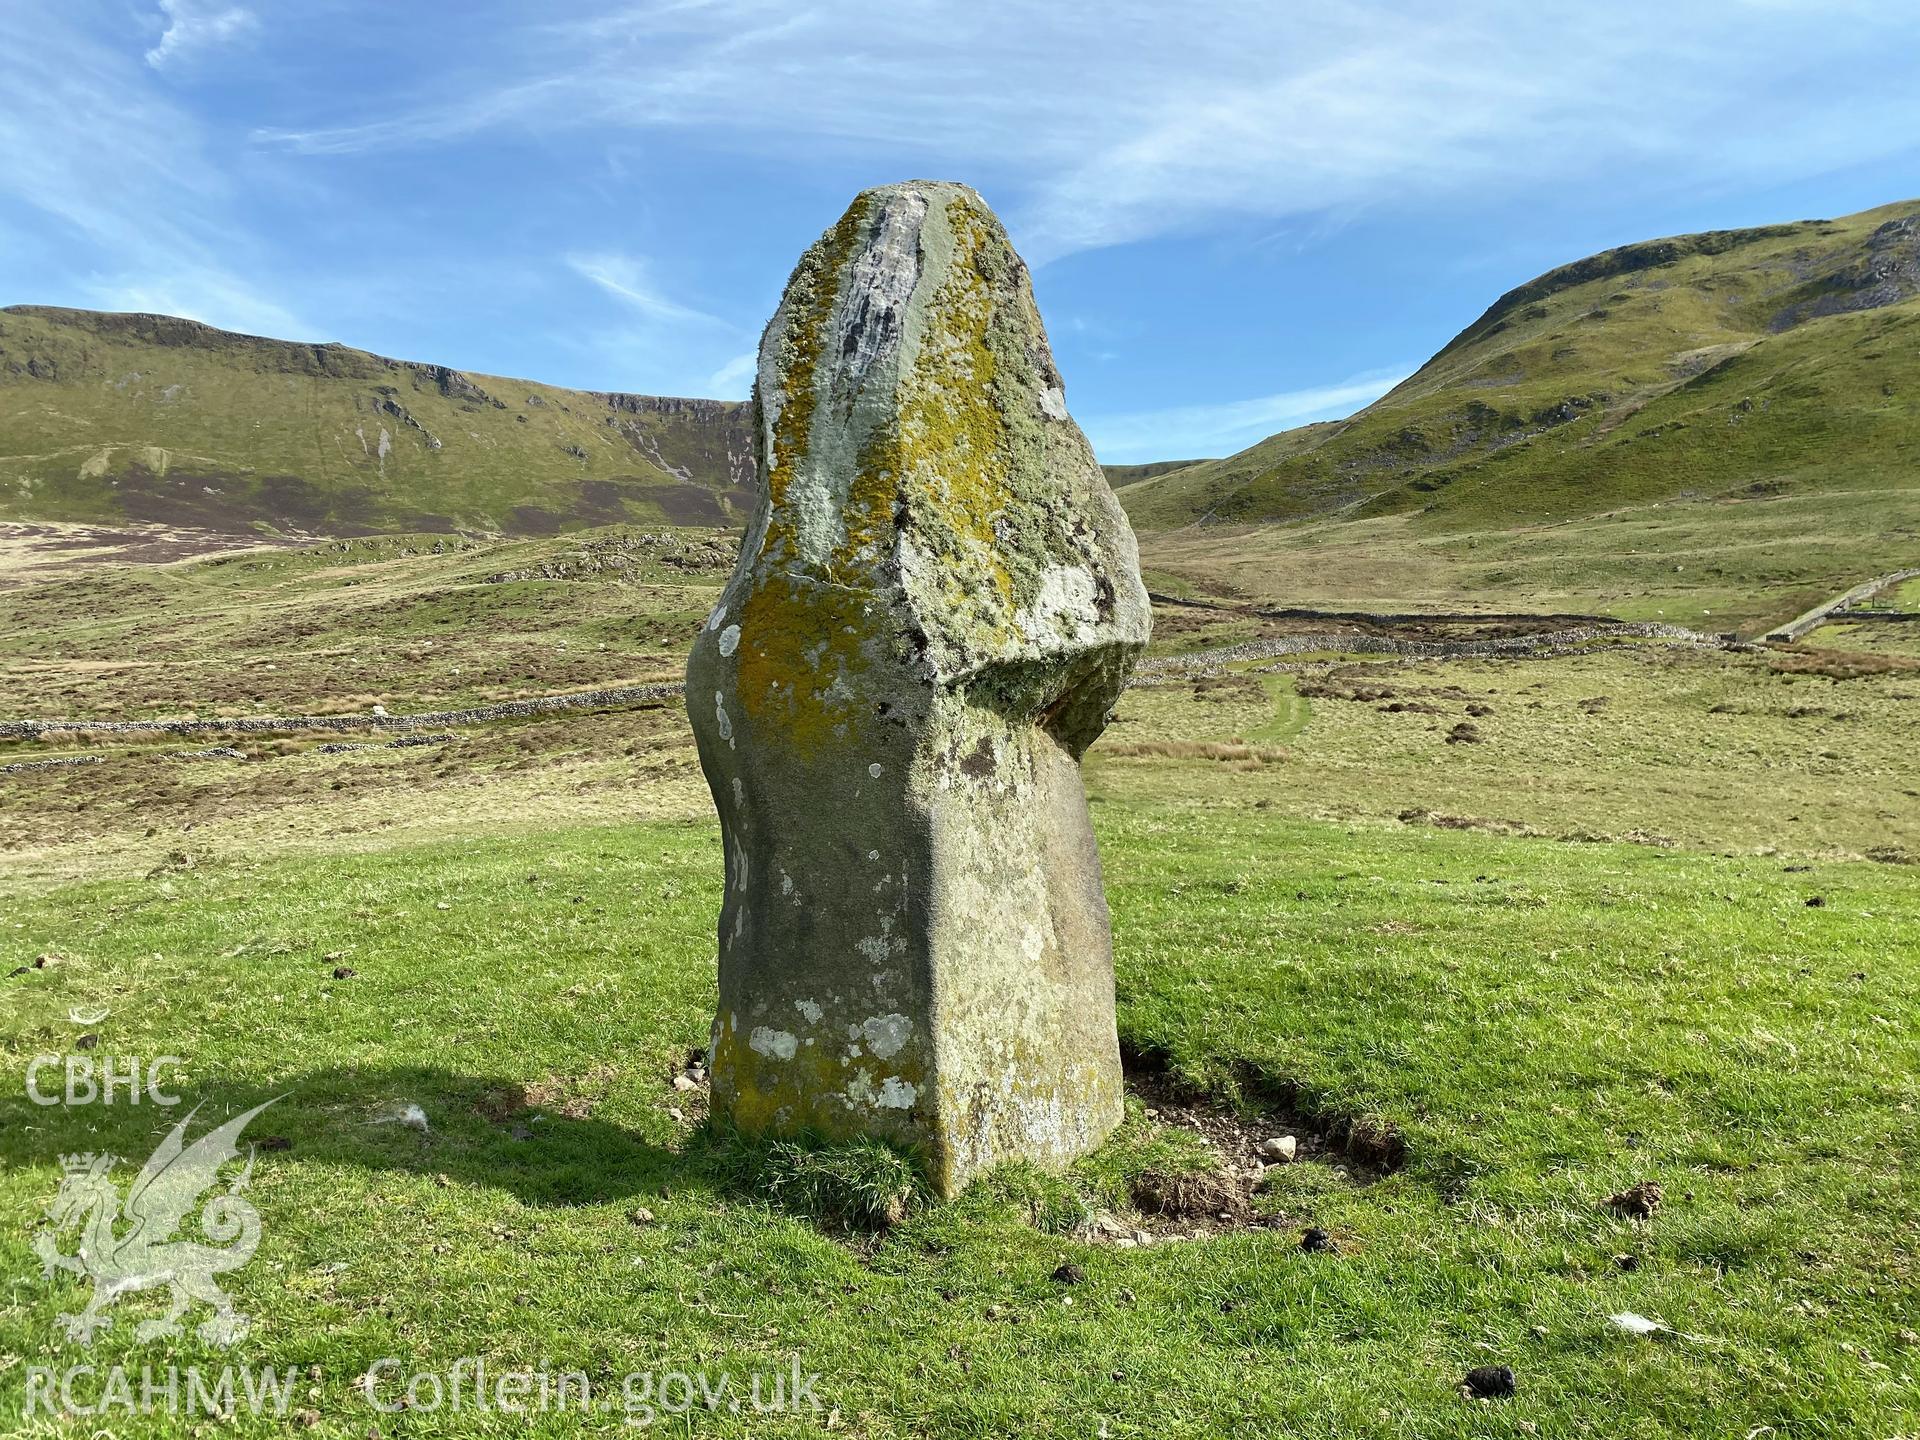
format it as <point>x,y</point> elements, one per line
<point>1895,640</point>
<point>413,622</point>
<point>1780,752</point>
<point>1729,564</point>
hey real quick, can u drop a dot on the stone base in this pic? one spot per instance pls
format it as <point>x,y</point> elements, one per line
<point>945,983</point>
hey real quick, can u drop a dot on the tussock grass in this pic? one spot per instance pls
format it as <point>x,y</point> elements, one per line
<point>1840,664</point>
<point>863,1183</point>
<point>1231,750</point>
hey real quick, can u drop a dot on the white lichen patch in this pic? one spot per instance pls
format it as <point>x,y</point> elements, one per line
<point>774,1044</point>
<point>858,1091</point>
<point>896,1094</point>
<point>1064,611</point>
<point>810,1009</point>
<point>729,639</point>
<point>720,719</point>
<point>885,1034</point>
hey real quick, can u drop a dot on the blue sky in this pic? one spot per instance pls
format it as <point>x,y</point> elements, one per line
<point>1242,216</point>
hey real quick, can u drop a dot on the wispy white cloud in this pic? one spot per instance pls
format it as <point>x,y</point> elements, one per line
<point>654,343</point>
<point>193,26</point>
<point>111,172</point>
<point>626,278</point>
<point>1195,431</point>
<point>1096,122</point>
<point>734,380</point>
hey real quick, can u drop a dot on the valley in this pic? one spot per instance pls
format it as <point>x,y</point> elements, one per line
<point>1458,825</point>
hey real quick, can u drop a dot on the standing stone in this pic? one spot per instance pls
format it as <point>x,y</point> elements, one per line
<point>934,610</point>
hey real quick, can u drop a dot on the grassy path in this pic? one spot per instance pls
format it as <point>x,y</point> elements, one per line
<point>1291,711</point>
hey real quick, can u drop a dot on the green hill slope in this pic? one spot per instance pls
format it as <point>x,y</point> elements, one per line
<point>107,418</point>
<point>1120,476</point>
<point>1743,363</point>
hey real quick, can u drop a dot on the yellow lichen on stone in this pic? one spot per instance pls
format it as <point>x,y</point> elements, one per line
<point>798,638</point>
<point>785,619</point>
<point>943,454</point>
<point>948,445</point>
<point>818,1088</point>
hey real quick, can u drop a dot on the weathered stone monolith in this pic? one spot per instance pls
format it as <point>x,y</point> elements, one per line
<point>935,608</point>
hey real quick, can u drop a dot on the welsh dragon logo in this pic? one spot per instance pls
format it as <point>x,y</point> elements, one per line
<point>149,1255</point>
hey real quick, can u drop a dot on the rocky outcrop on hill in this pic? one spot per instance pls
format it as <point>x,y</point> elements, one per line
<point>1886,274</point>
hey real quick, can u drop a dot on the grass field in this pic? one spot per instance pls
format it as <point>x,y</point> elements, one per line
<point>1714,564</point>
<point>1802,750</point>
<point>1655,923</point>
<point>1545,1025</point>
<point>412,622</point>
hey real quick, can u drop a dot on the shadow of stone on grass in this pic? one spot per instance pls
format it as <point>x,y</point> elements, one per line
<point>456,1128</point>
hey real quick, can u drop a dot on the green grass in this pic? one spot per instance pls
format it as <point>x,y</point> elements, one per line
<point>1291,711</point>
<point>1701,749</point>
<point>860,1183</point>
<point>1543,1023</point>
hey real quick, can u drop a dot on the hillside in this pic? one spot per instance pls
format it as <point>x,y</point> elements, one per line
<point>1733,363</point>
<point>111,418</point>
<point>1717,429</point>
<point>1121,476</point>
